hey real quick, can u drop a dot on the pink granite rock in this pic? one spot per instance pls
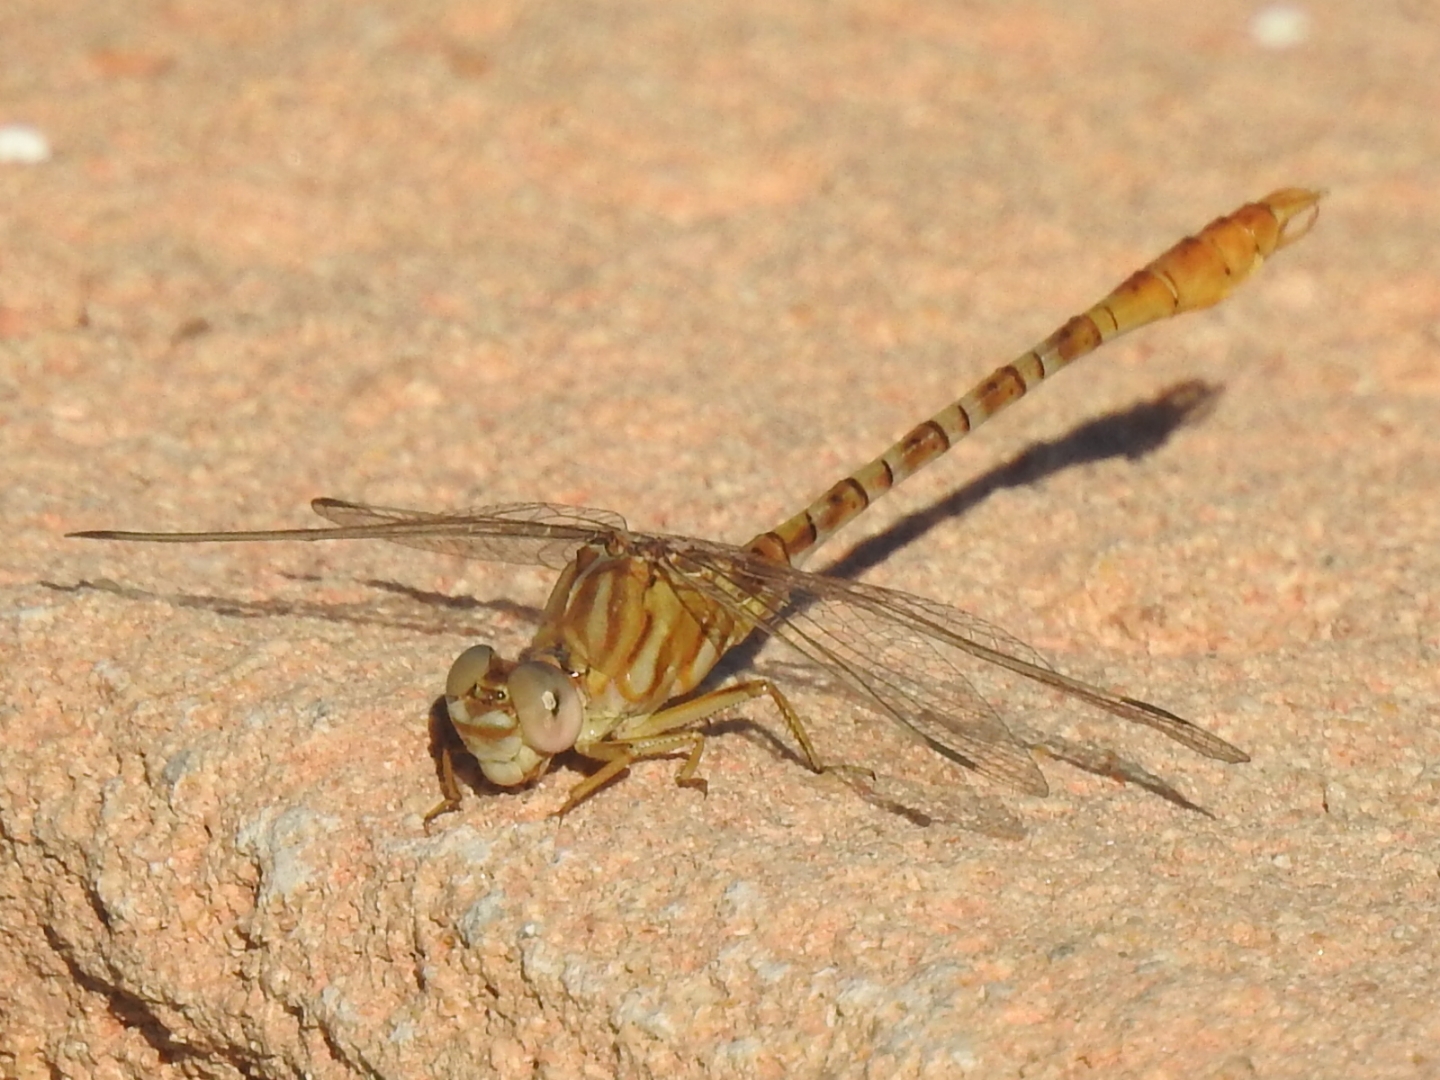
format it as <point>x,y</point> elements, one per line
<point>692,262</point>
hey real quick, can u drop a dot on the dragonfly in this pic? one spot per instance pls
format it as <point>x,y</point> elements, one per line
<point>637,621</point>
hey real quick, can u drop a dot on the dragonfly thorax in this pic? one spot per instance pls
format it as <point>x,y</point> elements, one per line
<point>512,716</point>
<point>638,631</point>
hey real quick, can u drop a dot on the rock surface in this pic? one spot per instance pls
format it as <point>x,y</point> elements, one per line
<point>691,262</point>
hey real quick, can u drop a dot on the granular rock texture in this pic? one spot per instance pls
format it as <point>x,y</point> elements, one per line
<point>692,262</point>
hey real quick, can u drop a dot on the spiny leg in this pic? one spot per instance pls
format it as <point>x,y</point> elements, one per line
<point>659,734</point>
<point>618,756</point>
<point>444,744</point>
<point>449,788</point>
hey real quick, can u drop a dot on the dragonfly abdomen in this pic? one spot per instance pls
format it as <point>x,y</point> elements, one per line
<point>1198,271</point>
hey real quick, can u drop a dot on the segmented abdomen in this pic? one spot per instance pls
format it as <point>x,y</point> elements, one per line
<point>1198,271</point>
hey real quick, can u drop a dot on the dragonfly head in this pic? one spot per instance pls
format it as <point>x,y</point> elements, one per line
<point>512,716</point>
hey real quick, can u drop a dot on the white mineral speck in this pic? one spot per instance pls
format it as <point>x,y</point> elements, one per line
<point>1280,26</point>
<point>21,144</point>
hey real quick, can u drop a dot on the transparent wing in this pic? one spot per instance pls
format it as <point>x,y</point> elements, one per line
<point>898,671</point>
<point>902,654</point>
<point>976,638</point>
<point>529,534</point>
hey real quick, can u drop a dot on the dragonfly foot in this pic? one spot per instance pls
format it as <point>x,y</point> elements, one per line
<point>445,806</point>
<point>695,783</point>
<point>449,789</point>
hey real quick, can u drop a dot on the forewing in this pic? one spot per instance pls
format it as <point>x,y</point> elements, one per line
<point>529,534</point>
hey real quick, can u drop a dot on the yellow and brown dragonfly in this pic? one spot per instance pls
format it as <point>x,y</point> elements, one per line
<point>637,621</point>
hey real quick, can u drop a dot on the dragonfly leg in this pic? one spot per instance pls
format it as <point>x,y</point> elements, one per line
<point>696,709</point>
<point>756,687</point>
<point>444,745</point>
<point>661,733</point>
<point>619,754</point>
<point>449,788</point>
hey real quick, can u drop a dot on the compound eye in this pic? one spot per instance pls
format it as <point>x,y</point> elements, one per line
<point>469,669</point>
<point>547,706</point>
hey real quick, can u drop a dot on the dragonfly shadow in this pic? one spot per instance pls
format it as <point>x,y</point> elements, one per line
<point>1131,433</point>
<point>416,610</point>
